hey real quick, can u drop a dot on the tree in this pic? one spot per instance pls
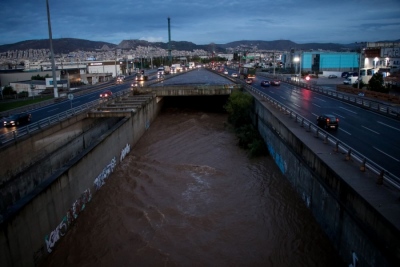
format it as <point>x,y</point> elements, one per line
<point>376,83</point>
<point>355,85</point>
<point>8,90</point>
<point>239,107</point>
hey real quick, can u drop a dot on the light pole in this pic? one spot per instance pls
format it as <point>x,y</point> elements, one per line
<point>297,60</point>
<point>359,69</point>
<point>53,65</point>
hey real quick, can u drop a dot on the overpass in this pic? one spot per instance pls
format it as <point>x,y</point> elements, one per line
<point>51,183</point>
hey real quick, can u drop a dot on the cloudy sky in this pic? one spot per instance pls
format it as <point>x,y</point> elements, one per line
<point>202,21</point>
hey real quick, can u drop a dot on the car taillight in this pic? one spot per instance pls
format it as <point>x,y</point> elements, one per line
<point>337,119</point>
<point>327,120</point>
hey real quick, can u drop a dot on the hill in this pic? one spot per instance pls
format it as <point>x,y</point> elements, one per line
<point>67,45</point>
<point>62,45</point>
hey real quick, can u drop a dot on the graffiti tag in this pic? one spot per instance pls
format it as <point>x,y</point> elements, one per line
<point>100,180</point>
<point>125,152</point>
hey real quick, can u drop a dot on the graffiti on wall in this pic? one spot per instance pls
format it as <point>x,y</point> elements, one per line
<point>67,221</point>
<point>278,158</point>
<point>125,152</point>
<point>79,205</point>
<point>100,180</point>
<point>55,235</point>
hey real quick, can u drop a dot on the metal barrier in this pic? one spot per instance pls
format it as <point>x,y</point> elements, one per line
<point>37,126</point>
<point>380,107</point>
<point>365,163</point>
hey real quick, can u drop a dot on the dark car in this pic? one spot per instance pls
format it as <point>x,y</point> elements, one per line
<point>275,82</point>
<point>17,119</point>
<point>344,74</point>
<point>106,94</point>
<point>332,76</point>
<point>265,83</point>
<point>249,81</point>
<point>328,121</point>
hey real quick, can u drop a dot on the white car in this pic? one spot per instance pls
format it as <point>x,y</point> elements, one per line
<point>347,81</point>
<point>234,75</point>
<point>226,72</point>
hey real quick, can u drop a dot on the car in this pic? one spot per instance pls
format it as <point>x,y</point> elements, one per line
<point>328,121</point>
<point>226,72</point>
<point>275,82</point>
<point>106,94</point>
<point>249,81</point>
<point>332,76</point>
<point>234,75</point>
<point>265,83</point>
<point>344,74</point>
<point>347,81</point>
<point>17,119</point>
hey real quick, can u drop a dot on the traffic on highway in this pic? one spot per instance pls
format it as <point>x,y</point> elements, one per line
<point>375,136</point>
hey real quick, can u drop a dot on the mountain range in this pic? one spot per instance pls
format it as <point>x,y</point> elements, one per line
<point>67,45</point>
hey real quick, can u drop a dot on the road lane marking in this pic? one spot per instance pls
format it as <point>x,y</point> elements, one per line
<point>369,129</point>
<point>51,110</point>
<point>283,97</point>
<point>348,110</point>
<point>339,115</point>
<point>389,126</point>
<point>320,99</point>
<point>297,105</point>
<point>386,154</point>
<point>316,105</point>
<point>344,131</point>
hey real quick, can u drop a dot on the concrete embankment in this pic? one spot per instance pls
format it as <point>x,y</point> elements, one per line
<point>361,217</point>
<point>71,161</point>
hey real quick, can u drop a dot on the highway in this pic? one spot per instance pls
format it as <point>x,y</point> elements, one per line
<point>375,136</point>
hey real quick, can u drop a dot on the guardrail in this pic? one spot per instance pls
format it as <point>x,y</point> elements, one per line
<point>383,175</point>
<point>36,126</point>
<point>377,106</point>
<point>33,127</point>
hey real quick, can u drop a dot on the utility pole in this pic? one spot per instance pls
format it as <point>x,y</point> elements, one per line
<point>169,42</point>
<point>53,65</point>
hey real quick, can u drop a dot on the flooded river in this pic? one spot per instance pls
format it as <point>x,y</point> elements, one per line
<point>186,195</point>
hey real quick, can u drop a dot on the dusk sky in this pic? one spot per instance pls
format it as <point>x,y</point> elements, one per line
<point>202,22</point>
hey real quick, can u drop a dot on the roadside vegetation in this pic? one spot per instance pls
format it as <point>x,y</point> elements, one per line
<point>239,109</point>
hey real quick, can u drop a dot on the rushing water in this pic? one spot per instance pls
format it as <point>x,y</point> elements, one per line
<point>186,195</point>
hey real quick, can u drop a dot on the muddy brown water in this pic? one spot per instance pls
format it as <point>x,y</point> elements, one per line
<point>187,195</point>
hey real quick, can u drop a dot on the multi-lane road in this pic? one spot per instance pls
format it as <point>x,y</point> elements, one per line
<point>375,136</point>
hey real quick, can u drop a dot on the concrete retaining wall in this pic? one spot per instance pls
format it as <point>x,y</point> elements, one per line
<point>42,217</point>
<point>362,236</point>
<point>28,162</point>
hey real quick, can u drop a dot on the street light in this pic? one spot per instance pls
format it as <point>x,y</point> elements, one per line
<point>359,69</point>
<point>53,65</point>
<point>297,60</point>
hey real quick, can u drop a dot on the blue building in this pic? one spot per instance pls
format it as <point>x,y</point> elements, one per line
<point>317,62</point>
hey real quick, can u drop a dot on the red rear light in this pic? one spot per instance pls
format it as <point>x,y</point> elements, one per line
<point>337,119</point>
<point>327,120</point>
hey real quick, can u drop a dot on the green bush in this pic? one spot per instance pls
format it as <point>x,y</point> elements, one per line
<point>23,94</point>
<point>239,109</point>
<point>362,84</point>
<point>8,91</point>
<point>376,84</point>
